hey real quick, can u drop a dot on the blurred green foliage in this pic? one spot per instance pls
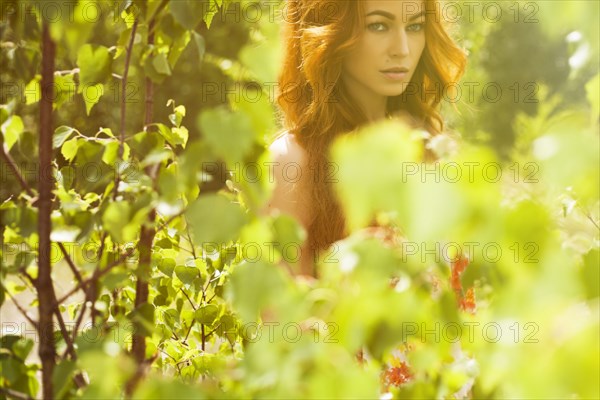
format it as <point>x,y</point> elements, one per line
<point>481,281</point>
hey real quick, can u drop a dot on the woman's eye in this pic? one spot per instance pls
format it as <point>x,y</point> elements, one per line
<point>377,27</point>
<point>416,27</point>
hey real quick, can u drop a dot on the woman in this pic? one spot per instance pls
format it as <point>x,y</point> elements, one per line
<point>348,63</point>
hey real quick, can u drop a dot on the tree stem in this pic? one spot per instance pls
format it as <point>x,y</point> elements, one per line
<point>45,288</point>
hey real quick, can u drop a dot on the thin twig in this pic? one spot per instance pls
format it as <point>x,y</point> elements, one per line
<point>174,359</point>
<point>210,333</point>
<point>591,219</point>
<point>187,334</point>
<point>13,166</point>
<point>21,309</point>
<point>70,263</point>
<point>76,71</point>
<point>124,104</point>
<point>65,334</point>
<point>188,297</point>
<point>79,319</point>
<point>15,394</point>
<point>212,297</point>
<point>152,20</point>
<point>100,274</point>
<point>91,290</point>
<point>165,224</point>
<point>67,72</point>
<point>189,238</point>
<point>30,282</point>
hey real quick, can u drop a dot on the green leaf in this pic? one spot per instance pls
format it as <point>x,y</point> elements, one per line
<point>69,149</point>
<point>24,259</point>
<point>157,156</point>
<point>207,363</point>
<point>215,219</point>
<point>64,86</point>
<point>200,45</point>
<point>207,314</point>
<point>263,59</point>
<point>33,92</point>
<point>164,243</point>
<point>94,64</point>
<point>253,286</point>
<point>91,96</point>
<point>591,273</point>
<point>174,136</point>
<point>230,135</point>
<point>189,13</point>
<point>161,64</point>
<point>166,266</point>
<point>171,318</point>
<point>143,143</point>
<point>179,45</point>
<point>180,110</point>
<point>177,115</point>
<point>168,183</point>
<point>3,115</point>
<point>22,347</point>
<point>115,219</point>
<point>61,377</point>
<point>143,319</point>
<point>115,280</point>
<point>8,341</point>
<point>182,135</point>
<point>163,388</point>
<point>61,134</point>
<point>186,274</point>
<point>12,129</point>
<point>593,95</point>
<point>160,300</point>
<point>110,153</point>
<point>12,370</point>
<point>212,11</point>
<point>227,327</point>
<point>358,162</point>
<point>107,131</point>
<point>288,232</point>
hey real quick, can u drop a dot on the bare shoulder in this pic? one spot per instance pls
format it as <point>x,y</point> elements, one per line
<point>286,149</point>
<point>290,172</point>
<point>291,191</point>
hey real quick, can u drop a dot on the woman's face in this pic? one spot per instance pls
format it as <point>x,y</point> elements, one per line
<point>393,39</point>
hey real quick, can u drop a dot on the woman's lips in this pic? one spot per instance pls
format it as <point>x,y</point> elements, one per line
<point>395,75</point>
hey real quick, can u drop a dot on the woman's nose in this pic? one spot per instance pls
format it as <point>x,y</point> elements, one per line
<point>399,45</point>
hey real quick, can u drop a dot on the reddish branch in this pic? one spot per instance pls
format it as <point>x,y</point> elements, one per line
<point>148,232</point>
<point>72,266</point>
<point>45,288</point>
<point>124,105</point>
<point>86,282</point>
<point>69,342</point>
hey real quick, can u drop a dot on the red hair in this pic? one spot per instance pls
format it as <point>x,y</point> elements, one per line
<point>314,105</point>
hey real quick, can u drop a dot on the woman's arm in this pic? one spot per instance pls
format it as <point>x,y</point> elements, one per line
<point>290,195</point>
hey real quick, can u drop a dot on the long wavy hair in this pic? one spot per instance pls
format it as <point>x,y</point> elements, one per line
<point>315,106</point>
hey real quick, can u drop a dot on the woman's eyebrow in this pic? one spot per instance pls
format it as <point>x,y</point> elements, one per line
<point>392,16</point>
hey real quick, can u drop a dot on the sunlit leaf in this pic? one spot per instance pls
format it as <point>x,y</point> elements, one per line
<point>215,219</point>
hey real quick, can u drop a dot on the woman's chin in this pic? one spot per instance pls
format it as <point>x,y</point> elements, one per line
<point>394,93</point>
